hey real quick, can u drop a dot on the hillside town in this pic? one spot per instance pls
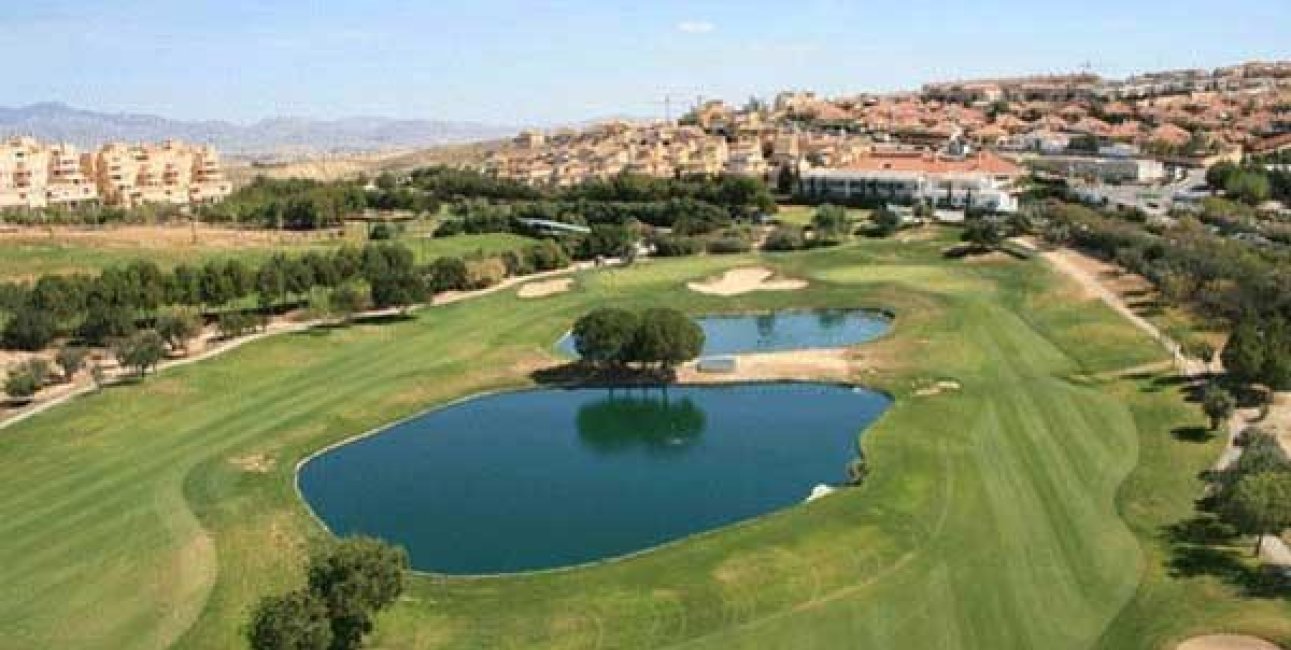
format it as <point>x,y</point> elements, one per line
<point>961,142</point>
<point>38,175</point>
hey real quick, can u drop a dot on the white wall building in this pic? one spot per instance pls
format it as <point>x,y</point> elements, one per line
<point>980,182</point>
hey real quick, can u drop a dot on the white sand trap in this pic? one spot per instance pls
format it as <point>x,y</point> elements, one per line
<point>1225,642</point>
<point>738,281</point>
<point>254,463</point>
<point>937,388</point>
<point>545,288</point>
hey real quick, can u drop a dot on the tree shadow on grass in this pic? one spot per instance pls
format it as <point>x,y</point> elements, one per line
<point>1155,382</point>
<point>580,374</point>
<point>1204,546</point>
<point>1192,434</point>
<point>384,319</point>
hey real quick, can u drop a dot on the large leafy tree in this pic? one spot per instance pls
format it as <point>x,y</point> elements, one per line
<point>1260,504</point>
<point>1217,404</point>
<point>293,621</point>
<point>28,329</point>
<point>667,337</point>
<point>830,221</point>
<point>355,579</point>
<point>178,327</point>
<point>605,335</point>
<point>140,351</point>
<point>1244,354</point>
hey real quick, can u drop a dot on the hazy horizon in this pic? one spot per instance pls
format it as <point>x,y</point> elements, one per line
<point>511,63</point>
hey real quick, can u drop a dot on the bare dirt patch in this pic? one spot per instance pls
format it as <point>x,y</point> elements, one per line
<point>917,235</point>
<point>1226,642</point>
<point>545,288</point>
<point>931,389</point>
<point>993,257</point>
<point>740,281</point>
<point>167,236</point>
<point>803,365</point>
<point>254,463</point>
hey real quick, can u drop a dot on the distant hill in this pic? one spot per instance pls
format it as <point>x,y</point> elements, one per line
<point>270,138</point>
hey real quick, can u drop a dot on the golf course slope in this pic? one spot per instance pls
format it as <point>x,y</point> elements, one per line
<point>1023,510</point>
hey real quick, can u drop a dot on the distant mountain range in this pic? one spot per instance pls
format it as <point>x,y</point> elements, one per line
<point>276,137</point>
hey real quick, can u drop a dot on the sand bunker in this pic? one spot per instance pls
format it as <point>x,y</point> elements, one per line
<point>1225,642</point>
<point>739,281</point>
<point>545,288</point>
<point>937,388</point>
<point>253,463</point>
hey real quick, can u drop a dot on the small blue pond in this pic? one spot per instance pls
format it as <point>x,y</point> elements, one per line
<point>557,477</point>
<point>780,331</point>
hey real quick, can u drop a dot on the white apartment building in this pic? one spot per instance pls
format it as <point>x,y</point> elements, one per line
<point>35,175</point>
<point>1107,170</point>
<point>980,182</point>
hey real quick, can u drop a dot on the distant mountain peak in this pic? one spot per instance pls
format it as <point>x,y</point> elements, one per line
<point>57,121</point>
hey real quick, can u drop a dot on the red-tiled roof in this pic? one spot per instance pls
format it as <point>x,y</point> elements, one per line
<point>982,163</point>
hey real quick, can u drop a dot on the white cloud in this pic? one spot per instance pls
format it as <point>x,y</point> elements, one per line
<point>696,27</point>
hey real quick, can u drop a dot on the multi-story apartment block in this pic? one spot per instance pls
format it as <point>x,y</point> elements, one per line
<point>36,175</point>
<point>167,173</point>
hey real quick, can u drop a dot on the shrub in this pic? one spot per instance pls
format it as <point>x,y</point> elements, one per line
<point>677,246</point>
<point>448,274</point>
<point>729,244</point>
<point>485,273</point>
<point>381,232</point>
<point>70,360</point>
<point>141,351</point>
<point>784,238</point>
<point>20,385</point>
<point>349,299</point>
<point>235,323</point>
<point>546,255</point>
<point>178,327</point>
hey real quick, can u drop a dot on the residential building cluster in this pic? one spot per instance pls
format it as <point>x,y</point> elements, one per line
<point>36,175</point>
<point>1128,131</point>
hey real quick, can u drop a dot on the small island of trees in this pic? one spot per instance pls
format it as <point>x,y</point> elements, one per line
<point>654,339</point>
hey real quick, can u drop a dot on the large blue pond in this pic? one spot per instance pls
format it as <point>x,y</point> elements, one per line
<point>780,331</point>
<point>557,477</point>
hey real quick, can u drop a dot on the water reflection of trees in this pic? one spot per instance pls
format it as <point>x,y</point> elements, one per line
<point>831,319</point>
<point>650,421</point>
<point>766,325</point>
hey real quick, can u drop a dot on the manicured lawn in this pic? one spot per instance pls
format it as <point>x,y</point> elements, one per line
<point>1025,510</point>
<point>800,215</point>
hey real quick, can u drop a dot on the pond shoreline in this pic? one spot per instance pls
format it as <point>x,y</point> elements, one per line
<point>718,382</point>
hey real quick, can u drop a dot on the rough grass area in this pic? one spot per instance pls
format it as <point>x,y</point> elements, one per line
<point>1029,509</point>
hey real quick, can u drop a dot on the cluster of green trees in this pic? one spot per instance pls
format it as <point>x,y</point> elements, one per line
<point>830,225</point>
<point>1251,184</point>
<point>1254,494</point>
<point>112,304</point>
<point>175,303</point>
<point>1186,261</point>
<point>1259,351</point>
<point>615,337</point>
<point>346,585</point>
<point>293,204</point>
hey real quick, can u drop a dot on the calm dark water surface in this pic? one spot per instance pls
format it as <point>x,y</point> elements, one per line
<point>781,331</point>
<point>549,478</point>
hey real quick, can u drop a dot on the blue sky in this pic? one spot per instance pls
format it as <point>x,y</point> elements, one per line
<point>543,62</point>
